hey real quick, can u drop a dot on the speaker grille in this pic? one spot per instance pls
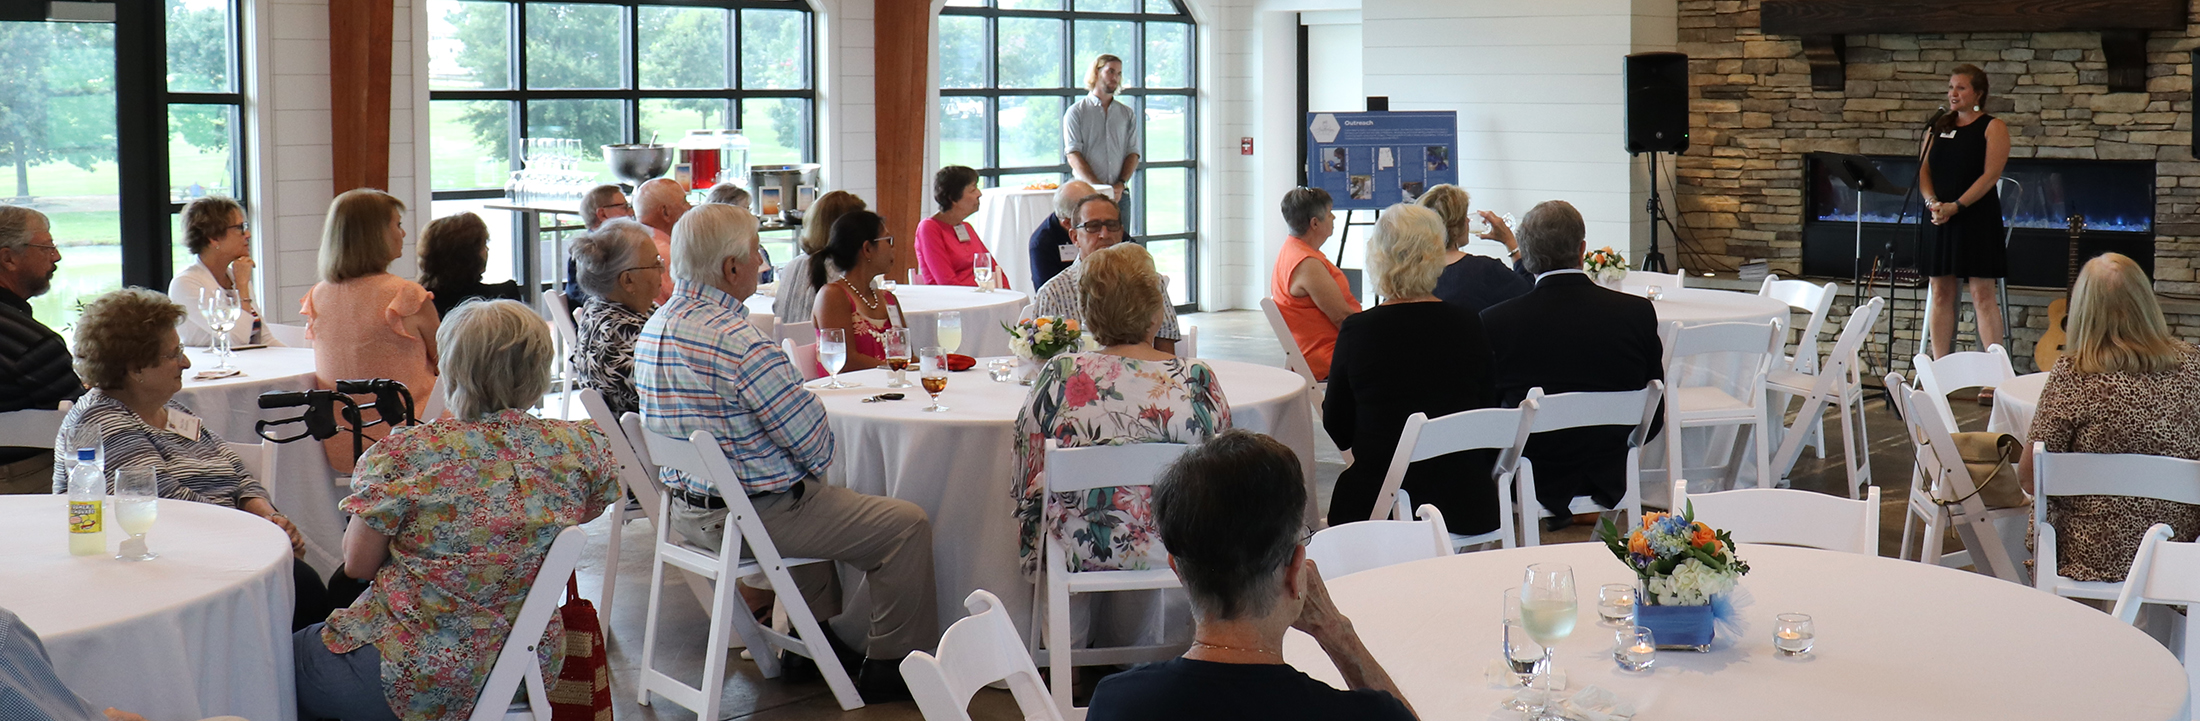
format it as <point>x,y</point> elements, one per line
<point>1657,102</point>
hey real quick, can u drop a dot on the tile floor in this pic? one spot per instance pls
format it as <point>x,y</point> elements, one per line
<point>1235,335</point>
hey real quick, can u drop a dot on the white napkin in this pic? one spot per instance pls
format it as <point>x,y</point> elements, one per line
<point>209,375</point>
<point>1593,703</point>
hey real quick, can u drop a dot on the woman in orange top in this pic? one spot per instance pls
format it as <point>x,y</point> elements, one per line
<point>365,322</point>
<point>1310,291</point>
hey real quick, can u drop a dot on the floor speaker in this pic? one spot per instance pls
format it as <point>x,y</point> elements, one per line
<point>1657,102</point>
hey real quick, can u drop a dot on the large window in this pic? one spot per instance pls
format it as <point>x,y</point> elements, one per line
<point>1008,70</point>
<point>500,71</point>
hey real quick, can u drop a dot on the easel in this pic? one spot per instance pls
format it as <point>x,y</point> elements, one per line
<point>1353,276</point>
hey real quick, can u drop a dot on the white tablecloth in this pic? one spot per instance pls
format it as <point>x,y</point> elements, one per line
<point>1693,306</point>
<point>1895,640</point>
<point>1005,219</point>
<point>299,480</point>
<point>961,465</point>
<point>2014,404</point>
<point>982,316</point>
<point>202,631</point>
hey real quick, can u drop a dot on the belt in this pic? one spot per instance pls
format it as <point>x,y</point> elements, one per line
<point>712,502</point>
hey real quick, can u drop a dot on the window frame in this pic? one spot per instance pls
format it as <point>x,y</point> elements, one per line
<point>239,148</point>
<point>631,96</point>
<point>1133,94</point>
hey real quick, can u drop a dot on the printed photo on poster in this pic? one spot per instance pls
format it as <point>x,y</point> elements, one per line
<point>1412,189</point>
<point>1333,161</point>
<point>1384,159</point>
<point>1370,160</point>
<point>1438,157</point>
<point>1361,187</point>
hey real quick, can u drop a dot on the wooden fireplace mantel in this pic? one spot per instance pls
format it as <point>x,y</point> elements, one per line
<point>2123,25</point>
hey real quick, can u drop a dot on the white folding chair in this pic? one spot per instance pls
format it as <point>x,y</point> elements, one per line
<point>1293,360</point>
<point>516,659</point>
<point>1502,429</point>
<point>1802,357</point>
<point>765,324</point>
<point>254,455</point>
<point>1837,383</point>
<point>1788,517</point>
<point>646,489</point>
<point>976,652</point>
<point>1188,346</point>
<point>1070,470</point>
<point>1585,410</point>
<point>1350,548</point>
<point>560,315</point>
<point>1957,371</point>
<point>700,456</point>
<point>804,358</point>
<point>636,476</point>
<point>802,331</point>
<point>1946,487</point>
<point>1700,406</point>
<point>2166,572</point>
<point>2097,474</point>
<point>33,428</point>
<point>1669,281</point>
<point>288,336</point>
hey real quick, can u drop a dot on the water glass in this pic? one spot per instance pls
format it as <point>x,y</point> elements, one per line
<point>1548,609</point>
<point>932,372</point>
<point>981,268</point>
<point>951,331</point>
<point>832,352</point>
<point>1793,634</point>
<point>221,310</point>
<point>136,504</point>
<point>1616,602</point>
<point>897,357</point>
<point>1637,649</point>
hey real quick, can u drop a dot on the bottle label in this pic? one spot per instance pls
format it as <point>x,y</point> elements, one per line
<point>84,517</point>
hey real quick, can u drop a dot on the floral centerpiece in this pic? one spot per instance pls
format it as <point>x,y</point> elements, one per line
<point>1606,265</point>
<point>1689,575</point>
<point>1034,341</point>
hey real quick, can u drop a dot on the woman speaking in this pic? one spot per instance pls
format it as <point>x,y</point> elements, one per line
<point>1964,155</point>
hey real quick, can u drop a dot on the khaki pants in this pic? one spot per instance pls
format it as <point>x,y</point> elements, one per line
<point>888,540</point>
<point>30,475</point>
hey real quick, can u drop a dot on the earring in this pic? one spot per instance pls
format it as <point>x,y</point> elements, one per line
<point>1974,108</point>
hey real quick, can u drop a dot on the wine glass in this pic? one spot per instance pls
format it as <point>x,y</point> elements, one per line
<point>1548,609</point>
<point>832,351</point>
<point>932,372</point>
<point>1523,655</point>
<point>897,357</point>
<point>221,309</point>
<point>951,331</point>
<point>136,504</point>
<point>981,268</point>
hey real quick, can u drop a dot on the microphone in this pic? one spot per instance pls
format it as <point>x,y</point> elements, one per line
<point>1937,113</point>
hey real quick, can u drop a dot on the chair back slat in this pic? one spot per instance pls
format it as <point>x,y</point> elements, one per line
<point>1293,359</point>
<point>561,317</point>
<point>1791,517</point>
<point>516,658</point>
<point>1957,371</point>
<point>978,650</point>
<point>1586,409</point>
<point>1087,467</point>
<point>1817,300</point>
<point>800,332</point>
<point>1350,548</point>
<point>2117,474</point>
<point>32,428</point>
<point>1506,429</point>
<point>2163,571</point>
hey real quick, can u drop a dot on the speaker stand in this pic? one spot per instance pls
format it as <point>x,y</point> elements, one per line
<point>1654,261</point>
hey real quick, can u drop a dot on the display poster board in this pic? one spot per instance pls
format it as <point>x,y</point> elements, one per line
<point>1370,161</point>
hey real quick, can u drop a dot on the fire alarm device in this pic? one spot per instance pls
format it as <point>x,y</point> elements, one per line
<point>1245,146</point>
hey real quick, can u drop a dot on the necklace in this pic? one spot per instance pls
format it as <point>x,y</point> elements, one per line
<point>1219,647</point>
<point>869,299</point>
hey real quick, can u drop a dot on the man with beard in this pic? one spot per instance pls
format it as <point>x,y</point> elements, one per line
<point>1100,135</point>
<point>35,368</point>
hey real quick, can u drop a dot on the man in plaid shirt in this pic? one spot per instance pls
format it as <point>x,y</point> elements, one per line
<point>699,365</point>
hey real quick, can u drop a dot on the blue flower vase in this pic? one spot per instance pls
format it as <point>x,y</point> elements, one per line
<point>1678,628</point>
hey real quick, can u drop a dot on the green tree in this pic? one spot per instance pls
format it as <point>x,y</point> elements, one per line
<point>199,62</point>
<point>63,110</point>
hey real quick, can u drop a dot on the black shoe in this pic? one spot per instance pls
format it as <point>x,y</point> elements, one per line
<point>880,682</point>
<point>797,668</point>
<point>1555,524</point>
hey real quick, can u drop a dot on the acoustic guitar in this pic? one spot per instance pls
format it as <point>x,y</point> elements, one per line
<point>2051,345</point>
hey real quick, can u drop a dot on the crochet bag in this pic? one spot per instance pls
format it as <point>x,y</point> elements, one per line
<point>582,690</point>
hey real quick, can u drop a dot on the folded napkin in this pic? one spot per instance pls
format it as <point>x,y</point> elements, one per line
<point>957,362</point>
<point>1593,703</point>
<point>208,375</point>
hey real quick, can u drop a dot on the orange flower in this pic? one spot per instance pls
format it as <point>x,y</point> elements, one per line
<point>1071,324</point>
<point>1651,519</point>
<point>1636,544</point>
<point>1703,536</point>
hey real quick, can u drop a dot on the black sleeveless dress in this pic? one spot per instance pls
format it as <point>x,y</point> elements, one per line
<point>1972,243</point>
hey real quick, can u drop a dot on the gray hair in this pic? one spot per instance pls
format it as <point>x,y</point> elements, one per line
<point>728,194</point>
<point>496,355</point>
<point>1406,253</point>
<point>1301,206</point>
<point>599,257</point>
<point>16,228</point>
<point>1066,197</point>
<point>595,200</point>
<point>706,237</point>
<point>1551,237</point>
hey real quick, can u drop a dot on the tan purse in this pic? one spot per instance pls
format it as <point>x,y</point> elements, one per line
<point>1992,460</point>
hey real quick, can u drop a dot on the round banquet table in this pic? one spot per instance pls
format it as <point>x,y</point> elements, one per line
<point>921,305</point>
<point>202,631</point>
<point>1896,640</point>
<point>2014,404</point>
<point>298,477</point>
<point>960,466</point>
<point>1696,306</point>
<point>1005,219</point>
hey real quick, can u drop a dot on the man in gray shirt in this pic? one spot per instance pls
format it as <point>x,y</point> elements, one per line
<point>1099,134</point>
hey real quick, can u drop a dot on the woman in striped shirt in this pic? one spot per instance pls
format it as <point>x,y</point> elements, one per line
<point>128,351</point>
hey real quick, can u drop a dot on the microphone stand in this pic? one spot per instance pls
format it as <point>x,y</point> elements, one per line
<point>1917,245</point>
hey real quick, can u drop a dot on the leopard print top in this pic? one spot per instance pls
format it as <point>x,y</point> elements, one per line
<point>2154,414</point>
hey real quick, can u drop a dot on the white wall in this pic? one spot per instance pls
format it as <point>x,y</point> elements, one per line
<point>846,97</point>
<point>1334,55</point>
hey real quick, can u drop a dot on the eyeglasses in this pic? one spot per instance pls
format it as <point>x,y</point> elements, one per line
<point>889,240</point>
<point>176,355</point>
<point>1098,226</point>
<point>1306,535</point>
<point>642,267</point>
<point>49,246</point>
<point>246,226</point>
<point>616,205</point>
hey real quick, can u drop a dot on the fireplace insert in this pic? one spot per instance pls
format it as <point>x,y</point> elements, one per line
<point>2039,195</point>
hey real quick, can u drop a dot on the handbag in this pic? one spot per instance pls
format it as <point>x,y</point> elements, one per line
<point>582,690</point>
<point>1992,460</point>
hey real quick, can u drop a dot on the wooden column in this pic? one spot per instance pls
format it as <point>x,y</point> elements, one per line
<point>359,91</point>
<point>903,30</point>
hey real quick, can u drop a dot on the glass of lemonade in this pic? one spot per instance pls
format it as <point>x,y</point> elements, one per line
<point>951,331</point>
<point>136,504</point>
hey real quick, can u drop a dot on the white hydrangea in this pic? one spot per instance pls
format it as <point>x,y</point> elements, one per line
<point>1691,584</point>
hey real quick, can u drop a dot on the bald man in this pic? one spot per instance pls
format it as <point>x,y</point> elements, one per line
<point>659,204</point>
<point>1051,249</point>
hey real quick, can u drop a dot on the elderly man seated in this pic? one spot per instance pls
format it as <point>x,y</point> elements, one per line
<point>700,366</point>
<point>1051,249</point>
<point>1228,512</point>
<point>1098,226</point>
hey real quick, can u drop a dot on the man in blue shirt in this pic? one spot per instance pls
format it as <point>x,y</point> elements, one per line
<point>29,690</point>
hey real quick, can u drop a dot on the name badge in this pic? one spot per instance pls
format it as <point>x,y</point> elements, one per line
<point>893,314</point>
<point>1068,252</point>
<point>183,424</point>
<point>1949,134</point>
<point>962,233</point>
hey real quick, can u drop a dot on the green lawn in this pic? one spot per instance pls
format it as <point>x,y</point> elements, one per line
<point>85,273</point>
<point>186,164</point>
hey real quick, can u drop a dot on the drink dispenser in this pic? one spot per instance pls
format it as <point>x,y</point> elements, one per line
<point>698,161</point>
<point>733,158</point>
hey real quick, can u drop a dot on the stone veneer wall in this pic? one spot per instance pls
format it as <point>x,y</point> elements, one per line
<point>1753,114</point>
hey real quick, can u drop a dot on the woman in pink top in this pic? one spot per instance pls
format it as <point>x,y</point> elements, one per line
<point>947,246</point>
<point>858,250</point>
<point>1309,291</point>
<point>365,322</point>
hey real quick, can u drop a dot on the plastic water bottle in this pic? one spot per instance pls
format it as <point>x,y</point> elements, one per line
<point>87,490</point>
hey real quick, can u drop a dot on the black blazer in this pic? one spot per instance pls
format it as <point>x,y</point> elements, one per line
<point>1567,335</point>
<point>1046,251</point>
<point>1393,361</point>
<point>1476,283</point>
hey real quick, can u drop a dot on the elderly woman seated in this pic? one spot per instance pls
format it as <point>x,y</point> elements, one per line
<point>454,252</point>
<point>618,266</point>
<point>1127,392</point>
<point>451,519</point>
<point>128,351</point>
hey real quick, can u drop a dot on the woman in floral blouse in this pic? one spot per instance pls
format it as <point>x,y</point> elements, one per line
<point>451,519</point>
<point>1125,393</point>
<point>619,267</point>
